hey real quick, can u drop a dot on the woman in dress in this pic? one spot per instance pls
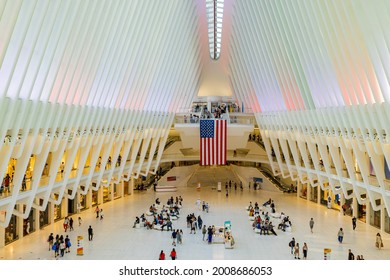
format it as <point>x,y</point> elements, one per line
<point>378,241</point>
<point>296,251</point>
<point>304,250</point>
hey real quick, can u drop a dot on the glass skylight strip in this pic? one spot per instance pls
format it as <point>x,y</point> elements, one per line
<point>214,10</point>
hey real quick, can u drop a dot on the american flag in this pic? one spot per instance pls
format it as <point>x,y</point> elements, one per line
<point>213,142</point>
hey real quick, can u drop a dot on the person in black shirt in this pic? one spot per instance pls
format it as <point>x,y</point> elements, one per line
<point>90,233</point>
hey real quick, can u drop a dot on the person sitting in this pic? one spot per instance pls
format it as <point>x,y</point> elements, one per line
<point>137,221</point>
<point>268,202</point>
<point>251,212</point>
<point>271,228</point>
<point>262,228</point>
<point>148,225</point>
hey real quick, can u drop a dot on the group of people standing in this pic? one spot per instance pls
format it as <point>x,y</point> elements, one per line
<point>59,244</point>
<point>294,247</point>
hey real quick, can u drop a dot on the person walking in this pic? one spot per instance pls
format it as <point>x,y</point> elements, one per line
<point>291,244</point>
<point>304,250</point>
<point>174,236</point>
<point>340,235</point>
<point>353,223</point>
<point>351,256</point>
<point>161,257</point>
<point>179,237</point>
<point>70,224</point>
<point>378,241</point>
<point>101,214</point>
<point>210,234</point>
<point>311,224</point>
<point>80,220</point>
<point>66,223</point>
<point>296,251</point>
<point>97,211</point>
<point>204,231</point>
<point>173,254</point>
<point>50,240</point>
<point>67,244</point>
<point>200,222</point>
<point>62,248</point>
<point>90,233</point>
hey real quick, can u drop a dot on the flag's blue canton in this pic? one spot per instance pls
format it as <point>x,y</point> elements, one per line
<point>206,129</point>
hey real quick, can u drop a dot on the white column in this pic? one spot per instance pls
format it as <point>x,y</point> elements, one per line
<point>35,219</point>
<point>121,189</point>
<point>131,186</point>
<point>64,207</point>
<point>2,237</point>
<point>111,191</point>
<point>19,223</point>
<point>88,199</point>
<point>368,212</point>
<point>299,188</point>
<point>50,207</point>
<point>383,211</point>
<point>308,192</point>
<point>342,201</point>
<point>100,195</point>
<point>355,207</point>
<point>319,194</point>
<point>2,230</point>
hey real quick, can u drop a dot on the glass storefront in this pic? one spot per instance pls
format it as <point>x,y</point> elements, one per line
<point>387,222</point>
<point>117,193</point>
<point>303,193</point>
<point>11,233</point>
<point>29,223</point>
<point>44,217</point>
<point>361,213</point>
<point>57,209</point>
<point>375,216</point>
<point>94,198</point>
<point>72,209</point>
<point>126,189</point>
<point>106,194</point>
<point>82,202</point>
<point>314,194</point>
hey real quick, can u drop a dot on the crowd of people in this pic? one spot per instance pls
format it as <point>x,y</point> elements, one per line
<point>261,218</point>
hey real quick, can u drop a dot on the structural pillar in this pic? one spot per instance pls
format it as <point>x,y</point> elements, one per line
<point>368,212</point>
<point>111,191</point>
<point>299,188</point>
<point>121,190</point>
<point>64,207</point>
<point>131,185</point>
<point>36,224</point>
<point>308,191</point>
<point>100,195</point>
<point>342,201</point>
<point>319,194</point>
<point>20,223</point>
<point>88,199</point>
<point>354,207</point>
<point>383,211</point>
<point>2,236</point>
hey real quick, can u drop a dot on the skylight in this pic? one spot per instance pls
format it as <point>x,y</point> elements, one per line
<point>214,10</point>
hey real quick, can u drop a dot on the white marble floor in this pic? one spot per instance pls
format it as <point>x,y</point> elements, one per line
<point>115,239</point>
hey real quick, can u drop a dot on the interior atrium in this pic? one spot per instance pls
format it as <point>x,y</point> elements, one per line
<point>100,99</point>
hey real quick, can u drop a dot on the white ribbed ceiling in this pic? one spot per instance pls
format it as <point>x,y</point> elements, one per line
<point>151,54</point>
<point>117,54</point>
